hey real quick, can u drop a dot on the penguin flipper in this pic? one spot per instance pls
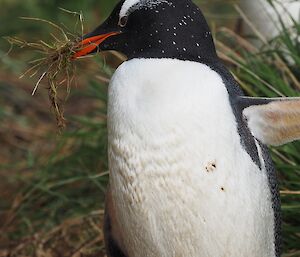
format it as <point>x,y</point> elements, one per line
<point>112,236</point>
<point>273,121</point>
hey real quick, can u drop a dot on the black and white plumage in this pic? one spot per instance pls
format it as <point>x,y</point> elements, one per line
<point>189,173</point>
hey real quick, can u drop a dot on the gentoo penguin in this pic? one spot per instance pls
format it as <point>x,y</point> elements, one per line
<point>190,174</point>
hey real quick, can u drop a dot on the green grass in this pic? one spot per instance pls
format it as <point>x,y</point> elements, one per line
<point>53,192</point>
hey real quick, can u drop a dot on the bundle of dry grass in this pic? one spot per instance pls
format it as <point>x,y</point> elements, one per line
<point>56,65</point>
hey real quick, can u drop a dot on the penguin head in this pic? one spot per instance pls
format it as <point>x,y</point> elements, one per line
<point>153,29</point>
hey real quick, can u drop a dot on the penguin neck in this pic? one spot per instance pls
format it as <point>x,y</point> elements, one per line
<point>181,53</point>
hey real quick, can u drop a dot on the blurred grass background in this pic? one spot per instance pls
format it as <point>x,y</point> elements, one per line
<point>52,185</point>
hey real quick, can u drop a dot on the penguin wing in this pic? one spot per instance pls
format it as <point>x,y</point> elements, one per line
<point>273,121</point>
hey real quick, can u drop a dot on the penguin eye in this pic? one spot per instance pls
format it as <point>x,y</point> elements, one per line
<point>123,21</point>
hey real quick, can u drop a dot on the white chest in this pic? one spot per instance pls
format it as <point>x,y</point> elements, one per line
<point>181,182</point>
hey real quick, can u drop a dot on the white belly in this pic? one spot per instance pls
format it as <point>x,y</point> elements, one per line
<point>181,181</point>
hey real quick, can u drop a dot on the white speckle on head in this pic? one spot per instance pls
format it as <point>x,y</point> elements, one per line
<point>174,43</point>
<point>197,44</point>
<point>175,34</point>
<point>184,49</point>
<point>207,33</point>
<point>130,6</point>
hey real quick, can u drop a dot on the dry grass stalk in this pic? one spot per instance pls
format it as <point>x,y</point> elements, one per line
<point>288,192</point>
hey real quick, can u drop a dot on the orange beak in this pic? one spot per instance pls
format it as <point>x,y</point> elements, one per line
<point>89,44</point>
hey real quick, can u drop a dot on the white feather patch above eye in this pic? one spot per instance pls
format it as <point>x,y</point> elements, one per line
<point>275,123</point>
<point>130,6</point>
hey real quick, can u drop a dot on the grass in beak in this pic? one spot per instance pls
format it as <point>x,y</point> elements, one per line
<point>55,65</point>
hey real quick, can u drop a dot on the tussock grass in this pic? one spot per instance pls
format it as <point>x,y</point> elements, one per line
<point>62,194</point>
<point>51,211</point>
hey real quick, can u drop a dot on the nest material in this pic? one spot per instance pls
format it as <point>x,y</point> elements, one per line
<point>56,65</point>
